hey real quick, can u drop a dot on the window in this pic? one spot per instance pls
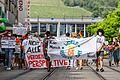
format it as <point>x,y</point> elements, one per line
<point>53,29</point>
<point>62,29</point>
<point>80,27</point>
<point>34,28</point>
<point>42,29</point>
<point>73,27</point>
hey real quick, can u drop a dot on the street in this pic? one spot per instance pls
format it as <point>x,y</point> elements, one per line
<point>88,73</point>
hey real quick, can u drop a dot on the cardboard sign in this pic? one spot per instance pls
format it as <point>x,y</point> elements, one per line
<point>8,42</point>
<point>19,30</point>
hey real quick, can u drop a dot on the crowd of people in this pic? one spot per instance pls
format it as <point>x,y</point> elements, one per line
<point>15,57</point>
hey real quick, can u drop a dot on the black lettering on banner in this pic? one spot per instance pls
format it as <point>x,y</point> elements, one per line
<point>33,42</point>
<point>54,47</point>
<point>20,5</point>
<point>34,49</point>
<point>53,42</point>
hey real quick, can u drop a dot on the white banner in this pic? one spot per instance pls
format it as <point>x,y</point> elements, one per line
<point>38,61</point>
<point>8,42</point>
<point>60,51</point>
<point>72,48</point>
<point>35,57</point>
<point>19,30</point>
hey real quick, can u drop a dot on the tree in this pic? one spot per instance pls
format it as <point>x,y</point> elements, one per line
<point>110,25</point>
<point>99,8</point>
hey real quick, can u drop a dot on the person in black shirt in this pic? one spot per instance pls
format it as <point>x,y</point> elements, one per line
<point>45,48</point>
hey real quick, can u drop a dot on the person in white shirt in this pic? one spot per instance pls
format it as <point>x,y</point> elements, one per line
<point>100,50</point>
<point>24,44</point>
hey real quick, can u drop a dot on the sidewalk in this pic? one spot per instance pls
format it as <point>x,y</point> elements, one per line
<point>1,67</point>
<point>8,75</point>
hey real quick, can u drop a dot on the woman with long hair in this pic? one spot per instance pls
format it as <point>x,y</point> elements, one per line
<point>116,51</point>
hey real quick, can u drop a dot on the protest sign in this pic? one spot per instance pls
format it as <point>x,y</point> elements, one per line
<point>34,54</point>
<point>8,42</point>
<point>19,30</point>
<point>35,57</point>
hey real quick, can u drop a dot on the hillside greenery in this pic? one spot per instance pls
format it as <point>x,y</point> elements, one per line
<point>99,8</point>
<point>110,25</point>
<point>55,9</point>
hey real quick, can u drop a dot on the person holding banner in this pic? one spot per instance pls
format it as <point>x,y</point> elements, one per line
<point>79,63</point>
<point>67,35</point>
<point>100,49</point>
<point>45,48</point>
<point>25,42</point>
<point>17,52</point>
<point>116,45</point>
<point>37,36</point>
<point>73,61</point>
<point>8,44</point>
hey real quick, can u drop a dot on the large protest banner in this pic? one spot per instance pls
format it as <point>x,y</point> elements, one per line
<point>8,42</point>
<point>60,51</point>
<point>72,48</point>
<point>35,57</point>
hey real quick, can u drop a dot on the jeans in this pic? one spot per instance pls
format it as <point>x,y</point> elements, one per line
<point>111,56</point>
<point>8,57</point>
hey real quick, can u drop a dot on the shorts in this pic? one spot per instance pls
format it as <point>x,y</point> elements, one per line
<point>100,54</point>
<point>22,55</point>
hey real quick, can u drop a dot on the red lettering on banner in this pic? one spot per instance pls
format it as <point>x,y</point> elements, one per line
<point>37,63</point>
<point>39,56</point>
<point>55,62</point>
<point>34,63</point>
<point>65,62</point>
<point>60,62</point>
<point>30,62</point>
<point>41,63</point>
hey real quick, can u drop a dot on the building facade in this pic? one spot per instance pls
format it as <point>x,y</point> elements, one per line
<point>59,27</point>
<point>8,9</point>
<point>2,8</point>
<point>11,11</point>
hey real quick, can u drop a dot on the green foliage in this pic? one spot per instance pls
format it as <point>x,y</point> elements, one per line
<point>55,9</point>
<point>71,2</point>
<point>97,7</point>
<point>110,25</point>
